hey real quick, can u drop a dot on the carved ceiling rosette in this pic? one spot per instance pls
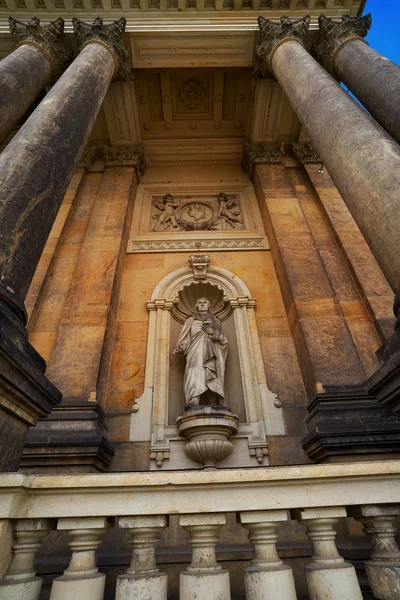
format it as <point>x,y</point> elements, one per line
<point>192,94</point>
<point>47,38</point>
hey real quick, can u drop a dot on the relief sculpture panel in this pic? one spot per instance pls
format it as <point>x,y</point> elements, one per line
<point>222,213</point>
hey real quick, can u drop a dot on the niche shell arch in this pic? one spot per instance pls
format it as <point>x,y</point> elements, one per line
<point>149,419</point>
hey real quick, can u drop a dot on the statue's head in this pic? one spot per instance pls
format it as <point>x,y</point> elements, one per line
<point>203,305</point>
<point>222,197</point>
<point>168,198</point>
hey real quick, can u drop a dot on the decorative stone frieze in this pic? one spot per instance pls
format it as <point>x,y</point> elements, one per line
<point>127,156</point>
<point>185,245</point>
<point>47,38</point>
<point>265,153</point>
<point>109,36</point>
<point>334,35</point>
<point>305,153</point>
<point>272,36</point>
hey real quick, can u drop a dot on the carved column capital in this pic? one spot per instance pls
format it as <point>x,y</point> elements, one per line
<point>125,157</point>
<point>47,38</point>
<point>265,152</point>
<point>110,36</point>
<point>305,153</point>
<point>272,36</point>
<point>334,35</point>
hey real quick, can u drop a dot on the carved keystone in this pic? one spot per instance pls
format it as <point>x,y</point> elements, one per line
<point>110,36</point>
<point>272,36</point>
<point>199,264</point>
<point>333,36</point>
<point>47,38</point>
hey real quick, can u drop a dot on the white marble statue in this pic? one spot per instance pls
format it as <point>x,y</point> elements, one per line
<point>205,347</point>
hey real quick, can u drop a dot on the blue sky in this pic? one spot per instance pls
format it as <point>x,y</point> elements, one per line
<point>384,33</point>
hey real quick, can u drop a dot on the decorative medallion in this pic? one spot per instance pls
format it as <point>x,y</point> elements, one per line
<point>192,94</point>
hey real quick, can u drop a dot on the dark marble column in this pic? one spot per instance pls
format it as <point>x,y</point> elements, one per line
<point>39,59</point>
<point>362,159</point>
<point>371,77</point>
<point>35,170</point>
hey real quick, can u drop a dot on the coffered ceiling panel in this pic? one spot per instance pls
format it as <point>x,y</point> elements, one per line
<point>192,103</point>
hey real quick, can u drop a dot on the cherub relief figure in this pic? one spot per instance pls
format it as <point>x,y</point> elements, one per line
<point>167,216</point>
<point>205,347</point>
<point>228,210</point>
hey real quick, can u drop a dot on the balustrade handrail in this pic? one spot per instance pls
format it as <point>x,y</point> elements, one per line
<point>184,492</point>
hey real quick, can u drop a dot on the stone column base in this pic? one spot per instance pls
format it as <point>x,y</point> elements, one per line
<point>26,590</point>
<point>335,583</point>
<point>384,579</point>
<point>204,586</point>
<point>142,587</point>
<point>270,584</point>
<point>88,588</point>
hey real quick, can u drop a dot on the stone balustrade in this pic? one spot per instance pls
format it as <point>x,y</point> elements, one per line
<point>85,506</point>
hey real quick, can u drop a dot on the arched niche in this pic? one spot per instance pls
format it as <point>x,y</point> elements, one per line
<point>154,413</point>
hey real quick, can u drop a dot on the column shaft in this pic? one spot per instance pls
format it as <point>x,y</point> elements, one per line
<point>23,74</point>
<point>37,165</point>
<point>363,161</point>
<point>375,81</point>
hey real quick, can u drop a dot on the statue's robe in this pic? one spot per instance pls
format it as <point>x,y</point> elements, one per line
<point>205,358</point>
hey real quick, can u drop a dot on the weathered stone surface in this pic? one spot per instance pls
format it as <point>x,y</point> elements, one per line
<point>275,34</point>
<point>333,36</point>
<point>366,175</point>
<point>371,77</point>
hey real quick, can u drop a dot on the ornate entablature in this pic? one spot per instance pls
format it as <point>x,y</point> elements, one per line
<point>334,35</point>
<point>199,218</point>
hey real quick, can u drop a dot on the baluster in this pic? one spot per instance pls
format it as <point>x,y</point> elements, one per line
<point>82,578</point>
<point>143,580</point>
<point>20,580</point>
<point>204,578</point>
<point>266,578</point>
<point>383,568</point>
<point>328,576</point>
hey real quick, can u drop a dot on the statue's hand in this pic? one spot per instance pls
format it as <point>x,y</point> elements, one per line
<point>176,350</point>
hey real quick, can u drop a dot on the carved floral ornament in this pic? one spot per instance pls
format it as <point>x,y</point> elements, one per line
<point>272,36</point>
<point>192,94</point>
<point>47,38</point>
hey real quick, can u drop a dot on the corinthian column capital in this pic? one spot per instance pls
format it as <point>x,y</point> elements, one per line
<point>275,34</point>
<point>110,36</point>
<point>334,35</point>
<point>47,38</point>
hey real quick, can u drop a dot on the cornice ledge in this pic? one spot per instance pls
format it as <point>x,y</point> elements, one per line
<point>334,35</point>
<point>265,152</point>
<point>47,38</point>
<point>305,153</point>
<point>111,36</point>
<point>272,36</point>
<point>126,156</point>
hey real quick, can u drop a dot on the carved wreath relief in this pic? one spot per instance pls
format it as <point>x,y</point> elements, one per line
<point>183,214</point>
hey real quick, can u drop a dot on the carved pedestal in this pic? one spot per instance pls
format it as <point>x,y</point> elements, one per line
<point>208,430</point>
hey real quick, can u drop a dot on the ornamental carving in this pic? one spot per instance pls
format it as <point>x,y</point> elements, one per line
<point>264,153</point>
<point>111,36</point>
<point>334,35</point>
<point>306,153</point>
<point>45,37</point>
<point>184,214</point>
<point>192,94</point>
<point>125,157</point>
<point>87,157</point>
<point>272,35</point>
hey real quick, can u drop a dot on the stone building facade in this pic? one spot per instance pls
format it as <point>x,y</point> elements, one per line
<point>169,150</point>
